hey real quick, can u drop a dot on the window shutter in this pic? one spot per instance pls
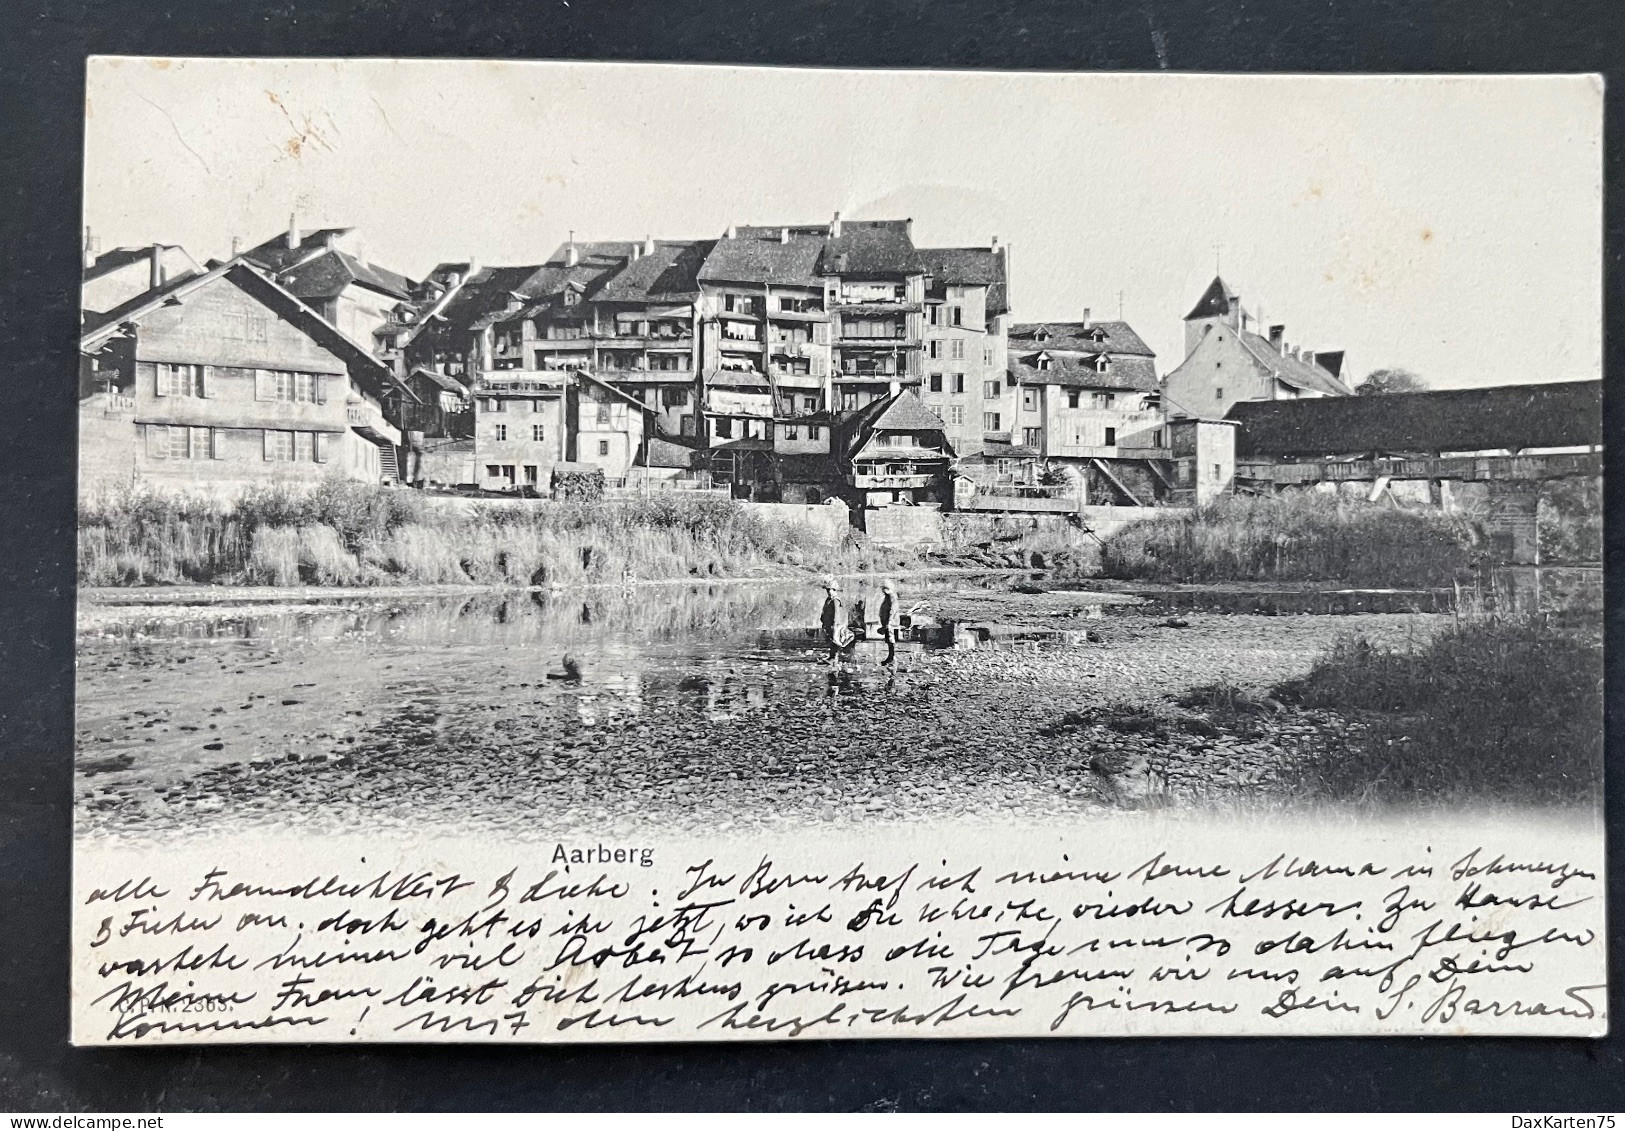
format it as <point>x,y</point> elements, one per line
<point>264,386</point>
<point>160,380</point>
<point>320,441</point>
<point>268,436</point>
<point>321,387</point>
<point>205,380</point>
<point>157,441</point>
<point>216,447</point>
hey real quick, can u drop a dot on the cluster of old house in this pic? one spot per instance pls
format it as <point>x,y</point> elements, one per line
<point>793,364</point>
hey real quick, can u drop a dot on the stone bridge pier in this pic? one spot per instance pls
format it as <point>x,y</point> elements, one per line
<point>1512,522</point>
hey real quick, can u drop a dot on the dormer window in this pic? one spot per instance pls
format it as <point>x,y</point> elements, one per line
<point>1041,336</point>
<point>1044,361</point>
<point>1097,334</point>
<point>571,298</point>
<point>1101,363</point>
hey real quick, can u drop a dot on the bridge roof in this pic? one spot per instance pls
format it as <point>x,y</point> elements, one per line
<point>1554,415</point>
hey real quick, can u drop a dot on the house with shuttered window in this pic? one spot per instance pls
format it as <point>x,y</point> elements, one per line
<point>222,381</point>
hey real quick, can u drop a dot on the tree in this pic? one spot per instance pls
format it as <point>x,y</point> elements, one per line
<point>1382,382</point>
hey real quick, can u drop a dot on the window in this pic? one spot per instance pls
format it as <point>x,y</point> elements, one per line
<point>603,413</point>
<point>809,404</point>
<point>990,390</point>
<point>537,433</point>
<point>1043,361</point>
<point>500,432</point>
<point>497,404</point>
<point>936,382</point>
<point>1216,473</point>
<point>571,298</point>
<point>933,348</point>
<point>958,353</point>
<point>959,382</point>
<point>1103,400</point>
<point>723,428</point>
<point>603,447</point>
<point>813,432</point>
<point>181,381</point>
<point>1029,400</point>
<point>1111,437</point>
<point>1072,398</point>
<point>987,355</point>
<point>956,414</point>
<point>493,470</point>
<point>990,422</point>
<point>959,316</point>
<point>792,432</point>
<point>304,447</point>
<point>532,474</point>
<point>675,398</point>
<point>1218,393</point>
<point>934,314</point>
<point>1032,437</point>
<point>180,443</point>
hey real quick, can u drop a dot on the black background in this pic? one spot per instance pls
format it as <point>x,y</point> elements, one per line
<point>42,53</point>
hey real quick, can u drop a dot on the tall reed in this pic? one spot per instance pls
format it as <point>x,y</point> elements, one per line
<point>1295,537</point>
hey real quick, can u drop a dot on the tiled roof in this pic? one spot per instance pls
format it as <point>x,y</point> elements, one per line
<point>120,257</point>
<point>328,274</point>
<point>1215,301</point>
<point>871,247</point>
<point>488,290</point>
<point>1078,337</point>
<point>1294,371</point>
<point>669,273</point>
<point>756,255</point>
<point>1137,374</point>
<point>442,380</point>
<point>907,413</point>
<point>276,255</point>
<point>1556,415</point>
<point>969,267</point>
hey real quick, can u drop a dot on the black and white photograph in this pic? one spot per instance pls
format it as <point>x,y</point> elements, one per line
<point>623,552</point>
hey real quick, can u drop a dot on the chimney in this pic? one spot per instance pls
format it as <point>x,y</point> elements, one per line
<point>637,252</point>
<point>784,235</point>
<point>473,266</point>
<point>1086,318</point>
<point>995,243</point>
<point>571,255</point>
<point>835,226</point>
<point>908,228</point>
<point>648,245</point>
<point>1309,356</point>
<point>733,232</point>
<point>157,274</point>
<point>293,231</point>
<point>90,248</point>
<point>236,246</point>
<point>1277,334</point>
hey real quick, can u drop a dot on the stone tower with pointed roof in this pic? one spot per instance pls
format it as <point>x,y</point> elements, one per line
<point>1227,360</point>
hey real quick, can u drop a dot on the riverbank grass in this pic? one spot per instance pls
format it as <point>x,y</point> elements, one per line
<point>1295,538</point>
<point>352,534</point>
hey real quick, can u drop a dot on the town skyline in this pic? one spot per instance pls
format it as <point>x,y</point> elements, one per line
<point>1347,223</point>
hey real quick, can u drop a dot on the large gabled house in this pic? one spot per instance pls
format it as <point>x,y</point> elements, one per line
<point>1086,399</point>
<point>224,380</point>
<point>1231,356</point>
<point>895,451</point>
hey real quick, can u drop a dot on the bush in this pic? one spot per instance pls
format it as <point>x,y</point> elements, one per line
<point>1296,537</point>
<point>580,485</point>
<point>1509,710</point>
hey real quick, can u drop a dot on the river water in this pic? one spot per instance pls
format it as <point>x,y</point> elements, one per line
<point>683,706</point>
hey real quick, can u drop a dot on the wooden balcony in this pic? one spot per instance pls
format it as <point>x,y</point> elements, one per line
<point>368,420</point>
<point>868,482</point>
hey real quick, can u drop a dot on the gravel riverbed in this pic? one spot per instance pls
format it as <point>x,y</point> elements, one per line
<point>717,717</point>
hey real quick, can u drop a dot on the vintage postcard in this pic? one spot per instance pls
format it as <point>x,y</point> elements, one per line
<point>585,552</point>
